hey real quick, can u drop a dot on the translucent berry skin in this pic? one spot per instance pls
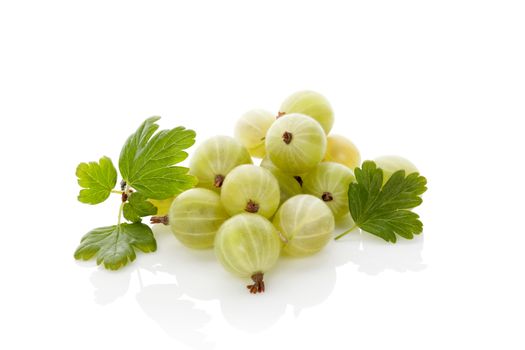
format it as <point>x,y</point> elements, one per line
<point>341,150</point>
<point>391,164</point>
<point>163,205</point>
<point>251,128</point>
<point>295,143</point>
<point>307,224</point>
<point>215,158</point>
<point>329,181</point>
<point>247,244</point>
<point>288,185</point>
<point>250,188</point>
<point>312,104</point>
<point>195,217</point>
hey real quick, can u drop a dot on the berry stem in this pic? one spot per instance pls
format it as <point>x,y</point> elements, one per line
<point>258,285</point>
<point>346,232</point>
<point>124,198</point>
<point>327,197</point>
<point>160,220</point>
<point>219,179</point>
<point>252,207</point>
<point>287,137</point>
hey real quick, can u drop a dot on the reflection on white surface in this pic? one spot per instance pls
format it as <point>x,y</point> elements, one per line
<point>110,286</point>
<point>163,302</point>
<point>299,283</point>
<point>295,283</point>
<point>373,255</point>
<point>178,318</point>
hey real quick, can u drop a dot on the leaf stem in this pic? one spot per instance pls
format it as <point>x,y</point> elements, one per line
<point>120,212</point>
<point>117,192</point>
<point>346,232</point>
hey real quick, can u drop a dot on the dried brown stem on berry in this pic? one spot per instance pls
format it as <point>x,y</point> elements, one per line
<point>287,137</point>
<point>252,207</point>
<point>258,285</point>
<point>327,197</point>
<point>280,114</point>
<point>219,179</point>
<point>160,220</point>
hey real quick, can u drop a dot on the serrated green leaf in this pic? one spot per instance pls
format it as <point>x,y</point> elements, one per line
<point>97,180</point>
<point>147,160</point>
<point>114,246</point>
<point>383,210</point>
<point>138,206</point>
<point>134,143</point>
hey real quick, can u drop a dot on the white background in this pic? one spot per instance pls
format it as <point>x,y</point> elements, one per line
<point>439,82</point>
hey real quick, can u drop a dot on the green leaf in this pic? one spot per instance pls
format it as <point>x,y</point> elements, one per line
<point>383,210</point>
<point>137,207</point>
<point>97,179</point>
<point>115,245</point>
<point>147,160</point>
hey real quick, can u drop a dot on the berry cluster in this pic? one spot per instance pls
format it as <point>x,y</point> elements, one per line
<point>287,205</point>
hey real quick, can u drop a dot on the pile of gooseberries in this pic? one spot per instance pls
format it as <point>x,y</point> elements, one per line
<point>287,205</point>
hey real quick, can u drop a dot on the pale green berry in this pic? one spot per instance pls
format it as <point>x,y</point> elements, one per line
<point>295,143</point>
<point>329,182</point>
<point>341,150</point>
<point>252,189</point>
<point>289,185</point>
<point>215,158</point>
<point>248,245</point>
<point>391,164</point>
<point>306,224</point>
<point>251,128</point>
<point>312,104</point>
<point>195,217</point>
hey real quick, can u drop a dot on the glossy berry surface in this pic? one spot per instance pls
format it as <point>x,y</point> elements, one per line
<point>295,143</point>
<point>306,222</point>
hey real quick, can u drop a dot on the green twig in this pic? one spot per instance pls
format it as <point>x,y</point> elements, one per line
<point>346,232</point>
<point>120,212</point>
